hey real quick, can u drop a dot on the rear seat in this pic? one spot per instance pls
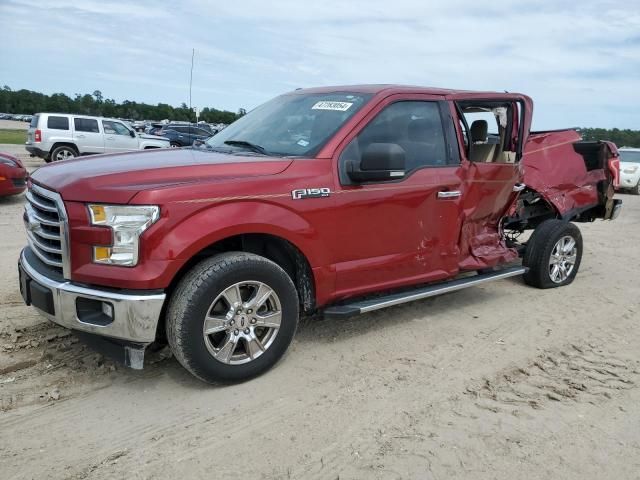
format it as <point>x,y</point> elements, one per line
<point>481,151</point>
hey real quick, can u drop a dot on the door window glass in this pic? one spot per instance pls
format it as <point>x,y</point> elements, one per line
<point>414,126</point>
<point>86,125</point>
<point>58,123</point>
<point>115,128</point>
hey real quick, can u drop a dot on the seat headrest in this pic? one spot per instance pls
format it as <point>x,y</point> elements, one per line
<point>479,131</point>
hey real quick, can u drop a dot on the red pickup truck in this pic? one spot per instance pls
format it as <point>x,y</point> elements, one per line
<point>341,199</point>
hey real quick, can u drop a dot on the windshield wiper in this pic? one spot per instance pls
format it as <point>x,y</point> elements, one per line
<point>249,145</point>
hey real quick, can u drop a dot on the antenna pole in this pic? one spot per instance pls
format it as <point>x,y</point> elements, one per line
<point>193,53</point>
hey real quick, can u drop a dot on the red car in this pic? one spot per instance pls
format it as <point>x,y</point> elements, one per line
<point>342,200</point>
<point>13,175</point>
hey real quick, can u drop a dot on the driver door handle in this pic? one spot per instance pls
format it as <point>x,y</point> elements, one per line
<point>449,194</point>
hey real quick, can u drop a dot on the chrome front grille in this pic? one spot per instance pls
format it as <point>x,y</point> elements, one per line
<point>47,228</point>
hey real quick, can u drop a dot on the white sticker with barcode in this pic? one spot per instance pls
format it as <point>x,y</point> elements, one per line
<point>338,106</point>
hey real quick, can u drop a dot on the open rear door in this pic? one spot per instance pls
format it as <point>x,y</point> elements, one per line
<point>492,132</point>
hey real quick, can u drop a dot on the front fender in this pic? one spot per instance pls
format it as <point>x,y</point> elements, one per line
<point>204,225</point>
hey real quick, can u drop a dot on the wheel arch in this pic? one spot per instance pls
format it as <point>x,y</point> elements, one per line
<point>531,210</point>
<point>63,144</point>
<point>273,247</point>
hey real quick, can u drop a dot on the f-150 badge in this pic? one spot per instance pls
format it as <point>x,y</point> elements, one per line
<point>303,193</point>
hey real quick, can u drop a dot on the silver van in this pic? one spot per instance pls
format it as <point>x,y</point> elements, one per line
<point>60,136</point>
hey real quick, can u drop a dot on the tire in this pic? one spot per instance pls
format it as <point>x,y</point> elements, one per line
<point>175,145</point>
<point>230,352</point>
<point>553,254</point>
<point>636,190</point>
<point>63,152</point>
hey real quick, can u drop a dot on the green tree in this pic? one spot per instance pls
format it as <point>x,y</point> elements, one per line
<point>30,102</point>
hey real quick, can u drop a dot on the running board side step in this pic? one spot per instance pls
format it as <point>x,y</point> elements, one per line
<point>364,306</point>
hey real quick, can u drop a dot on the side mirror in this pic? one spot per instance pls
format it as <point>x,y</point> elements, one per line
<point>132,133</point>
<point>380,161</point>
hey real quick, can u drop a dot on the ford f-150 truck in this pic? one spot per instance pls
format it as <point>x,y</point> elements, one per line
<point>343,200</point>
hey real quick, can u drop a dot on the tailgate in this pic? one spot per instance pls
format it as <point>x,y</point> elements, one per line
<point>32,128</point>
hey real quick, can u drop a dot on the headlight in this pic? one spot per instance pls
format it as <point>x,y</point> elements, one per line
<point>630,169</point>
<point>128,222</point>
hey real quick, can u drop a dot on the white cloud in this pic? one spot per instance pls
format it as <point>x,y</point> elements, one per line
<point>581,65</point>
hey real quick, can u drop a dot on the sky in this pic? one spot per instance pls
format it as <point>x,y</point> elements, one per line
<point>579,61</point>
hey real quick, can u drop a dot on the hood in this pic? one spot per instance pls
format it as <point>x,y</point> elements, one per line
<point>117,178</point>
<point>13,158</point>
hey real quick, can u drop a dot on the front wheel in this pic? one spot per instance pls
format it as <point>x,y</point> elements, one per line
<point>232,317</point>
<point>553,254</point>
<point>636,190</point>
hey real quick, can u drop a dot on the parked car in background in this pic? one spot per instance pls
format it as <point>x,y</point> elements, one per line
<point>13,175</point>
<point>154,128</point>
<point>138,126</point>
<point>630,169</point>
<point>208,127</point>
<point>184,135</point>
<point>60,136</point>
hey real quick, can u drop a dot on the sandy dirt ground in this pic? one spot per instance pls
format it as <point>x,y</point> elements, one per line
<point>497,381</point>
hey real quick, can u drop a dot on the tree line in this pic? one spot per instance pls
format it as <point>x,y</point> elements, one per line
<point>622,138</point>
<point>29,102</point>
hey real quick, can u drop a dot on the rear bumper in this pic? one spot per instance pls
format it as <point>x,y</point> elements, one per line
<point>123,316</point>
<point>38,152</point>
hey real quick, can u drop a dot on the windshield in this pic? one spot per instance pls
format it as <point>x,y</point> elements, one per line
<point>630,156</point>
<point>290,125</point>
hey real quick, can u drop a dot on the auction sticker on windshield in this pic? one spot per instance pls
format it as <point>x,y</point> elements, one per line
<point>339,106</point>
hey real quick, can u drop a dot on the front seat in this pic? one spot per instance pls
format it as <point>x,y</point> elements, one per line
<point>480,150</point>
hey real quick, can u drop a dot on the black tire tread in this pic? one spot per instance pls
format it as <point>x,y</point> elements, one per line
<point>539,247</point>
<point>185,294</point>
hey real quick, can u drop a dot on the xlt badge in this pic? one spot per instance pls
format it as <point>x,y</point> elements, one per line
<point>302,193</point>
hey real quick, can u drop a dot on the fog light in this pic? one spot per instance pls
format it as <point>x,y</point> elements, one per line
<point>94,312</point>
<point>107,309</point>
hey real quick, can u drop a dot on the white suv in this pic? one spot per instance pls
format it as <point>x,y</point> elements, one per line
<point>630,169</point>
<point>60,136</point>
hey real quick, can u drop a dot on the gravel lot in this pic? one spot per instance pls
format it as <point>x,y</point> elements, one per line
<point>496,381</point>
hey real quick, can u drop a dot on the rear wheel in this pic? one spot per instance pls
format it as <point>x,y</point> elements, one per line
<point>232,317</point>
<point>175,145</point>
<point>553,254</point>
<point>63,152</point>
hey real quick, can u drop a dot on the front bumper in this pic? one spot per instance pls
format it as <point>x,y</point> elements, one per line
<point>628,180</point>
<point>130,317</point>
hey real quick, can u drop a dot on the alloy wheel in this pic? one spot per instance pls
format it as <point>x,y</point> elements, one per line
<point>242,322</point>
